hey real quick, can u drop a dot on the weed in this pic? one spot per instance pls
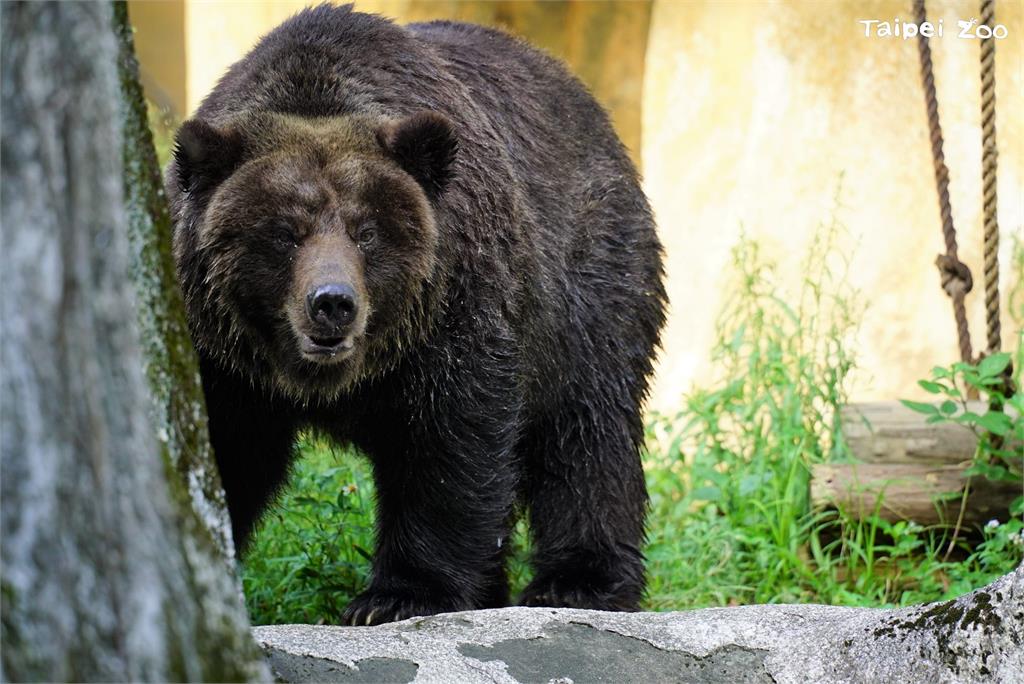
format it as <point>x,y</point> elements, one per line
<point>733,477</point>
<point>731,522</point>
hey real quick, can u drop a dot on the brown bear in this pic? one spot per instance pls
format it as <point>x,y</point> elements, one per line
<point>428,243</point>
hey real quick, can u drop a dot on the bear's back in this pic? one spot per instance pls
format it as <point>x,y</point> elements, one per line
<point>330,61</point>
<point>324,61</point>
<point>563,148</point>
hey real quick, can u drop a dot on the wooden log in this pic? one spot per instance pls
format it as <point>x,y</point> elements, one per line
<point>926,494</point>
<point>889,432</point>
<point>910,469</point>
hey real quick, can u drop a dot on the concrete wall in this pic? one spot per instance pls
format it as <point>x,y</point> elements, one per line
<point>751,113</point>
<point>745,114</point>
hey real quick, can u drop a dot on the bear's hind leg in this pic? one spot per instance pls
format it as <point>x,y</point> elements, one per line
<point>587,500</point>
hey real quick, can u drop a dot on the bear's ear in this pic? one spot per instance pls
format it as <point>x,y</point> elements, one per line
<point>204,156</point>
<point>424,144</point>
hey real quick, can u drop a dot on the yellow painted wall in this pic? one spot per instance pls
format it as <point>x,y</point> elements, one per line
<point>744,114</point>
<point>160,44</point>
<point>752,111</point>
<point>220,33</point>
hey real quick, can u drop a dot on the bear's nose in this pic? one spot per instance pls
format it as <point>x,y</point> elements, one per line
<point>333,305</point>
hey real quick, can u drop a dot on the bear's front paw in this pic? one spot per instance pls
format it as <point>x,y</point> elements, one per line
<point>377,607</point>
<point>562,593</point>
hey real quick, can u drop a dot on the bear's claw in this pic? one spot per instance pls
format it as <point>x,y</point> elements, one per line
<point>561,594</point>
<point>377,608</point>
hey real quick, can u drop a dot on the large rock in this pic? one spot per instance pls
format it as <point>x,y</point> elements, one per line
<point>978,637</point>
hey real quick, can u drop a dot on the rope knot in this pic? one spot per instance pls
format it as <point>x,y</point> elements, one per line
<point>956,277</point>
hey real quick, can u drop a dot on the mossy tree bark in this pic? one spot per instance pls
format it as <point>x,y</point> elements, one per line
<point>117,560</point>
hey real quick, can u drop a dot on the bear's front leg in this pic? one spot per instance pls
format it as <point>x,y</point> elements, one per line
<point>445,492</point>
<point>442,524</point>
<point>253,440</point>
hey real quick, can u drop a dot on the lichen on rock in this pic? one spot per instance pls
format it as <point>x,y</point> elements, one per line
<point>976,637</point>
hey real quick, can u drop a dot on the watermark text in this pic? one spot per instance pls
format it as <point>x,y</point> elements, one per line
<point>897,28</point>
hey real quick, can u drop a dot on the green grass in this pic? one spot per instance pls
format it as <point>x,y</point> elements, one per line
<point>730,521</point>
<point>311,554</point>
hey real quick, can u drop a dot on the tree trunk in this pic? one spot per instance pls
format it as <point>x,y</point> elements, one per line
<point>117,561</point>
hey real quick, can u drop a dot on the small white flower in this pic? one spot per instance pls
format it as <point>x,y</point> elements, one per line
<point>992,523</point>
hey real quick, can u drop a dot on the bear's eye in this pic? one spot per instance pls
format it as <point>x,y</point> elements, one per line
<point>283,235</point>
<point>367,234</point>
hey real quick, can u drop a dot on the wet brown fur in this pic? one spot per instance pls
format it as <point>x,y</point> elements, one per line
<point>508,278</point>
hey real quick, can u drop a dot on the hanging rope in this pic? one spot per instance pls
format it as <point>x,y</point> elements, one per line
<point>956,277</point>
<point>989,156</point>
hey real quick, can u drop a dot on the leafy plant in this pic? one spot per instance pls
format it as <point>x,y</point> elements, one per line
<point>997,421</point>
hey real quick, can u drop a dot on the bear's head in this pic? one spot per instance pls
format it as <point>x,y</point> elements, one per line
<point>306,248</point>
